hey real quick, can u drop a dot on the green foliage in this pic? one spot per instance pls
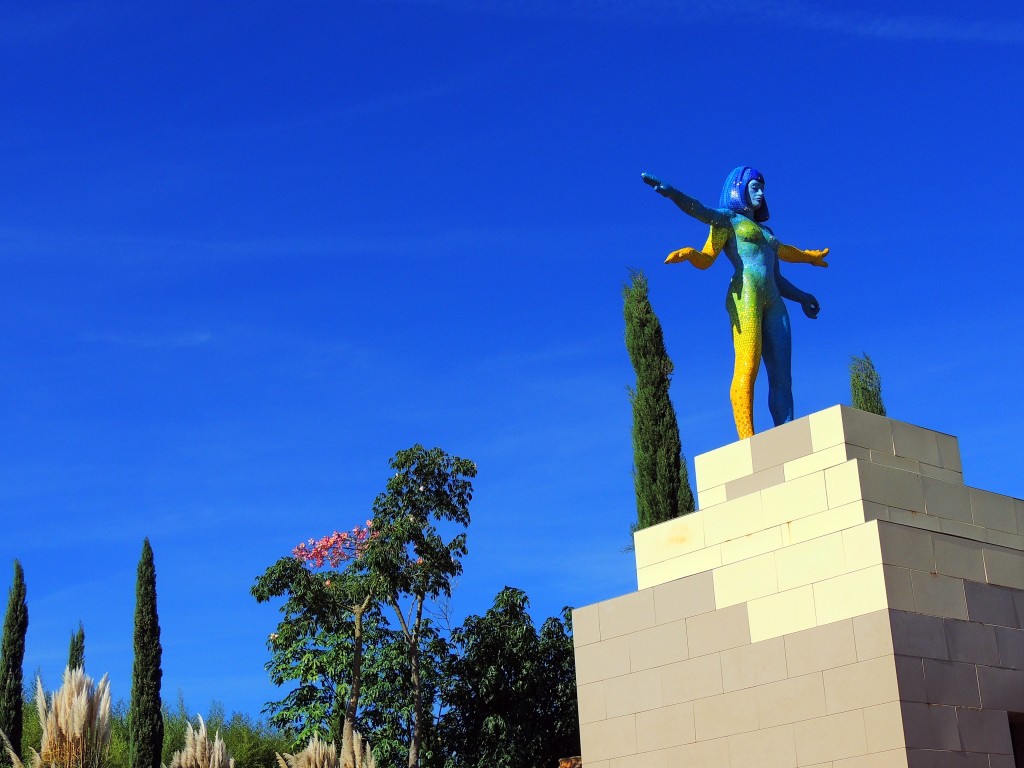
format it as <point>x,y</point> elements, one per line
<point>12,657</point>
<point>76,650</point>
<point>660,475</point>
<point>866,385</point>
<point>510,694</point>
<point>145,720</point>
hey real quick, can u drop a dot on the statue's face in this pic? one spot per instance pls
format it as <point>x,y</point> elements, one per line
<point>755,193</point>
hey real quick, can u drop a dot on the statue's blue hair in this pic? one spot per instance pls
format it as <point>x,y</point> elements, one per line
<point>734,193</point>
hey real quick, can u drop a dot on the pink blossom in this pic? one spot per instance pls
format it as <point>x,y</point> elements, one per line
<point>335,549</point>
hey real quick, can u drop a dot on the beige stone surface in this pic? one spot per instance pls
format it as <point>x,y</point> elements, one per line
<point>717,631</point>
<point>842,484</point>
<point>632,693</point>
<point>916,443</point>
<point>860,685</point>
<point>775,447</point>
<point>791,700</point>
<point>781,614</point>
<point>679,567</point>
<point>758,481</point>
<point>892,487</point>
<point>849,595</point>
<point>959,557</point>
<point>862,546</point>
<point>817,462</point>
<point>899,586</point>
<point>834,737</point>
<point>795,499</point>
<point>669,539</point>
<point>734,518</point>
<point>590,702</point>
<point>873,635</point>
<point>667,727</point>
<point>993,510</point>
<point>810,561</point>
<point>938,595</point>
<point>867,429</point>
<point>710,753</point>
<point>626,614</point>
<point>658,646</point>
<point>599,661</point>
<point>608,739</point>
<point>893,758</point>
<point>883,727</point>
<point>586,625</point>
<point>828,521</point>
<point>692,679</point>
<point>725,714</point>
<point>826,428</point>
<point>745,580</point>
<point>766,748</point>
<point>684,597</point>
<point>723,464</point>
<point>752,545</point>
<point>711,496</point>
<point>906,547</point>
<point>945,499</point>
<point>820,648</point>
<point>754,664</point>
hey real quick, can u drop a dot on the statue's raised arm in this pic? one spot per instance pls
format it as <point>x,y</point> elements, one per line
<point>757,288</point>
<point>687,204</point>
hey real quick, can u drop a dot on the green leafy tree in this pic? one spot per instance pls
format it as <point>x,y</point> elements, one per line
<point>12,658</point>
<point>145,718</point>
<point>660,475</point>
<point>510,692</point>
<point>866,385</point>
<point>410,561</point>
<point>76,650</point>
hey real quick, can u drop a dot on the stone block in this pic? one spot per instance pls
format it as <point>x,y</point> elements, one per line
<point>692,679</point>
<point>723,464</point>
<point>672,538</point>
<point>873,635</point>
<point>827,428</point>
<point>810,561</point>
<point>781,613</point>
<point>681,598</point>
<point>906,547</point>
<point>1004,566</point>
<point>679,567</point>
<point>791,700</point>
<point>783,443</point>
<point>971,642</point>
<point>626,614</point>
<point>862,546</point>
<point>798,498</point>
<point>608,738</point>
<point>893,758</point>
<point>725,714</point>
<point>828,521</point>
<point>1002,688</point>
<point>892,487</point>
<point>754,664</point>
<point>896,462</point>
<point>711,753</point>
<point>820,648</point>
<point>951,682</point>
<point>834,737</point>
<point>658,646</point>
<point>717,631</point>
<point>990,604</point>
<point>586,625</point>
<point>590,702</point>
<point>949,452</point>
<point>599,661</point>
<point>745,580</point>
<point>916,443</point>
<point>860,685</point>
<point>754,483</point>
<point>666,727</point>
<point>946,475</point>
<point>709,497</point>
<point>849,595</point>
<point>733,519</point>
<point>938,595</point>
<point>766,748</point>
<point>945,499</point>
<point>899,587</point>
<point>752,545</point>
<point>927,726</point>
<point>867,430</point>
<point>883,726</point>
<point>959,557</point>
<point>910,674</point>
<point>843,485</point>
<point>993,510</point>
<point>1010,643</point>
<point>816,462</point>
<point>917,635</point>
<point>984,730</point>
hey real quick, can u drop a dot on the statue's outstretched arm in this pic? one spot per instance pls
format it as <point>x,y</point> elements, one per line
<point>687,204</point>
<point>798,256</point>
<point>787,290</point>
<point>706,256</point>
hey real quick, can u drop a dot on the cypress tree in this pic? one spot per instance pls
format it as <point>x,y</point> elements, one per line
<point>12,657</point>
<point>659,468</point>
<point>76,651</point>
<point>145,721</point>
<point>866,385</point>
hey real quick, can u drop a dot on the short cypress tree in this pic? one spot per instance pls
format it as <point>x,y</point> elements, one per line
<point>76,650</point>
<point>145,721</point>
<point>12,658</point>
<point>659,468</point>
<point>866,385</point>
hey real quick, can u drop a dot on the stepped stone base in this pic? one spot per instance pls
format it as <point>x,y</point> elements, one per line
<point>841,599</point>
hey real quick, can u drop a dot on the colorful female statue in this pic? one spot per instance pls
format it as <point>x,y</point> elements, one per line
<point>760,322</point>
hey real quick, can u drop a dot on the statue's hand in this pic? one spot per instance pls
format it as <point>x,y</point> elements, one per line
<point>810,306</point>
<point>818,257</point>
<point>659,186</point>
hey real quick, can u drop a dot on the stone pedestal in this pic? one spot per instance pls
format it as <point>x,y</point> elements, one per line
<point>841,599</point>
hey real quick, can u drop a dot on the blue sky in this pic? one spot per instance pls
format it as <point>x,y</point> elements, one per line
<point>249,251</point>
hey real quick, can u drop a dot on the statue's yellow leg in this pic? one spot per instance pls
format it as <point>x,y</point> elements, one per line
<point>745,314</point>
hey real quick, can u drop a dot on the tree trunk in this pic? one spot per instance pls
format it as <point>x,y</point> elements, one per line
<point>348,750</point>
<point>417,692</point>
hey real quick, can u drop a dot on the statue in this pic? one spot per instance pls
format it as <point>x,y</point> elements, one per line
<point>760,322</point>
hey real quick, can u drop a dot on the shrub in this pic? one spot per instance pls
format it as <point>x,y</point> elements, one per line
<point>200,752</point>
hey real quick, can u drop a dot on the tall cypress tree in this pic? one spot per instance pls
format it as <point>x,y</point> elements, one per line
<point>659,467</point>
<point>866,385</point>
<point>76,650</point>
<point>12,658</point>
<point>145,721</point>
